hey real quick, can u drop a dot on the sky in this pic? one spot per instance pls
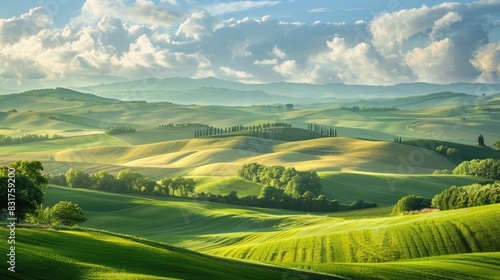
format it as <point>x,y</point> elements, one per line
<point>48,43</point>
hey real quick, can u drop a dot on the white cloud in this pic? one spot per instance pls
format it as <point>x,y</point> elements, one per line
<point>265,62</point>
<point>235,73</point>
<point>487,60</point>
<point>432,63</point>
<point>320,10</point>
<point>141,12</point>
<point>13,29</point>
<point>196,26</point>
<point>278,52</point>
<point>238,6</point>
<point>137,39</point>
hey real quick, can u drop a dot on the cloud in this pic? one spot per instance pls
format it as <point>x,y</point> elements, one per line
<point>13,29</point>
<point>448,42</point>
<point>238,6</point>
<point>140,11</point>
<point>235,73</point>
<point>487,61</point>
<point>196,26</point>
<point>320,10</point>
<point>278,52</point>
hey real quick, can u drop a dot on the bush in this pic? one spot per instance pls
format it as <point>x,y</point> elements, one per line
<point>409,203</point>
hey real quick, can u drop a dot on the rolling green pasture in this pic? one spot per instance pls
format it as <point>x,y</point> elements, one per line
<point>223,156</point>
<point>346,187</point>
<point>387,189</point>
<point>279,236</point>
<point>75,254</point>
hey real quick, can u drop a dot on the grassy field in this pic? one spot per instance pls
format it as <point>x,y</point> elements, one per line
<point>287,237</point>
<point>346,187</point>
<point>223,156</point>
<point>362,163</point>
<point>74,254</point>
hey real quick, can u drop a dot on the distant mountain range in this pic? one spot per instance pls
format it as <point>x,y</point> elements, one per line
<point>215,91</point>
<point>212,91</point>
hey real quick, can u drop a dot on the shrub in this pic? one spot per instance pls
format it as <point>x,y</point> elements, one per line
<point>409,203</point>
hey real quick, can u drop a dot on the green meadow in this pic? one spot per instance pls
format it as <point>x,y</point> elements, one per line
<point>138,236</point>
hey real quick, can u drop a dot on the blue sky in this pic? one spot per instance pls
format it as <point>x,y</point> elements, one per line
<point>65,43</point>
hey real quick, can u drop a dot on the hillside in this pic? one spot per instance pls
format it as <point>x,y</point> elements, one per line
<point>308,241</point>
<point>88,254</point>
<point>223,156</point>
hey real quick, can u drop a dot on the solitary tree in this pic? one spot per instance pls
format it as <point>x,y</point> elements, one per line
<point>497,145</point>
<point>67,213</point>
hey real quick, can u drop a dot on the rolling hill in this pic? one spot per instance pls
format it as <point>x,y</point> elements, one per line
<point>90,254</point>
<point>223,156</point>
<point>325,244</point>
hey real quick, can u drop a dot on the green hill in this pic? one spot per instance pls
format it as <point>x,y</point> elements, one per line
<point>290,239</point>
<point>87,254</point>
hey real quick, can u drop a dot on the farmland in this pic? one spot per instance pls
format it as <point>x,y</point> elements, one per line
<point>379,156</point>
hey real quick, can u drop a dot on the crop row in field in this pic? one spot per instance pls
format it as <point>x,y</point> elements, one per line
<point>68,254</point>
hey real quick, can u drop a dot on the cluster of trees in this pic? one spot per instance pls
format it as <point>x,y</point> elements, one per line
<point>365,108</point>
<point>398,139</point>
<point>467,196</point>
<point>409,203</point>
<point>25,138</point>
<point>449,152</point>
<point>64,213</point>
<point>180,125</point>
<point>487,168</point>
<point>497,145</point>
<point>322,130</point>
<point>126,181</point>
<point>25,181</point>
<point>291,181</point>
<point>119,129</point>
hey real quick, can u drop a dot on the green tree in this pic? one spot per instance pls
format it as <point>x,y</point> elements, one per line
<point>104,181</point>
<point>130,179</point>
<point>271,193</point>
<point>289,106</point>
<point>26,183</point>
<point>166,183</point>
<point>42,216</point>
<point>497,145</point>
<point>410,203</point>
<point>78,179</point>
<point>67,213</point>
<point>31,169</point>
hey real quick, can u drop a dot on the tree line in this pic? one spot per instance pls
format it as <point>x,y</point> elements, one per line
<point>180,125</point>
<point>255,129</point>
<point>111,130</point>
<point>276,131</point>
<point>367,109</point>
<point>323,131</point>
<point>272,197</point>
<point>488,168</point>
<point>467,196</point>
<point>126,181</point>
<point>26,138</point>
